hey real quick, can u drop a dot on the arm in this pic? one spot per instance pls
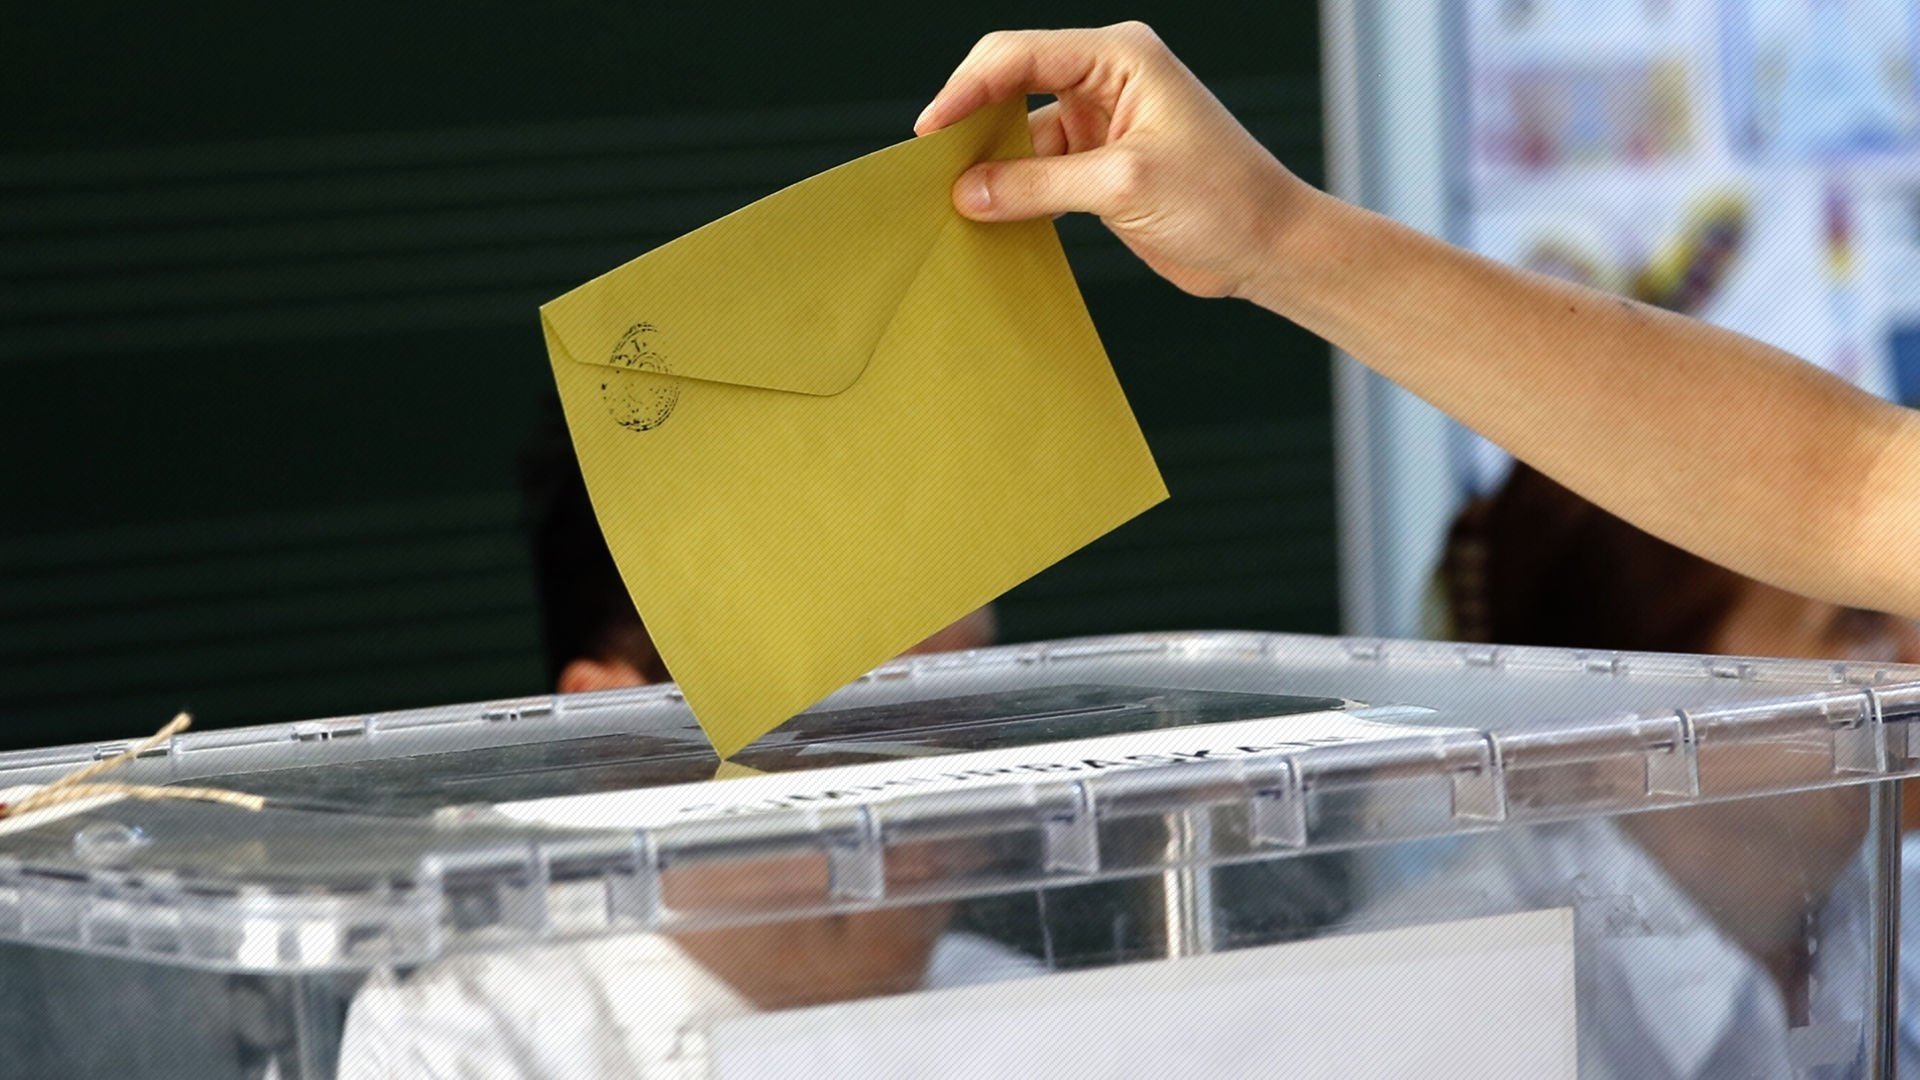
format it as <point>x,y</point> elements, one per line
<point>1715,442</point>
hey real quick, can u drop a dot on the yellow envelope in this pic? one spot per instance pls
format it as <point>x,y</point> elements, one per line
<point>831,423</point>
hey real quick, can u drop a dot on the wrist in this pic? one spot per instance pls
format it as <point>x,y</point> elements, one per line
<point>1295,236</point>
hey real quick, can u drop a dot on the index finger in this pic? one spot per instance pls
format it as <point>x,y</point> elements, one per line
<point>1011,62</point>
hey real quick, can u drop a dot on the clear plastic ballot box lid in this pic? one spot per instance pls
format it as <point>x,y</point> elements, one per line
<point>393,838</point>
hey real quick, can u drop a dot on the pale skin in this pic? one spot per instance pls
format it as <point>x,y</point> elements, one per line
<point>1731,449</point>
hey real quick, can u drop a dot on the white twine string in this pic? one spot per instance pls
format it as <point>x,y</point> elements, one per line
<point>75,787</point>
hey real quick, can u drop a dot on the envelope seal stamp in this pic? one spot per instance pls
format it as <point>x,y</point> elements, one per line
<point>639,388</point>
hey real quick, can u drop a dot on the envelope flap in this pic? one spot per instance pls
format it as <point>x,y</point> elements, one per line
<point>792,292</point>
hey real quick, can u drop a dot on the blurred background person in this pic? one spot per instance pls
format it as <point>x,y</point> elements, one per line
<point>1750,918</point>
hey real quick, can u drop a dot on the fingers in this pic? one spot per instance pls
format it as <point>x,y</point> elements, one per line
<point>1012,62</point>
<point>1068,126</point>
<point>1049,131</point>
<point>1035,62</point>
<point>1100,181</point>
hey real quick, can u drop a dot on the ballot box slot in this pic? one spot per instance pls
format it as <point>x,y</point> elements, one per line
<point>1022,716</point>
<point>429,772</point>
<point>436,778</point>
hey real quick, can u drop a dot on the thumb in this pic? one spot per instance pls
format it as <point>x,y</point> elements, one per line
<point>1095,181</point>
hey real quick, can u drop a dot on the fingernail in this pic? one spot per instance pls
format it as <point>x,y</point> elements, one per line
<point>924,113</point>
<point>973,196</point>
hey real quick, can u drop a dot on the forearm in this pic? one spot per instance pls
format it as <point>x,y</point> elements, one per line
<point>1720,444</point>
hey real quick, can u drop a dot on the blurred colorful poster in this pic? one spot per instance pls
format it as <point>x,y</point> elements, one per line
<point>1821,78</point>
<point>1712,247</point>
<point>1570,83</point>
<point>1753,163</point>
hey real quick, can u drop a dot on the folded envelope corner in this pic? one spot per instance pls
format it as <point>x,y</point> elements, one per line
<point>793,292</point>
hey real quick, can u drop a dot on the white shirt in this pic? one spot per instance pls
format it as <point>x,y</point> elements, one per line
<point>620,1007</point>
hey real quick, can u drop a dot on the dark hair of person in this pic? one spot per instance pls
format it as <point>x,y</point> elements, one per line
<point>585,610</point>
<point>1536,564</point>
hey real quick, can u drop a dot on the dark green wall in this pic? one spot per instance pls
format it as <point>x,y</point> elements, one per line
<point>268,350</point>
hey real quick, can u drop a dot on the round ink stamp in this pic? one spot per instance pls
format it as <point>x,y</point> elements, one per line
<point>638,386</point>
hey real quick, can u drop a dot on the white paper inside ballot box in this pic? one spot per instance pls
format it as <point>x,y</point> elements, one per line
<point>881,781</point>
<point>1489,998</point>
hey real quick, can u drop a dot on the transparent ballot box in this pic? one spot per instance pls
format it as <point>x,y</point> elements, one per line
<point>1210,854</point>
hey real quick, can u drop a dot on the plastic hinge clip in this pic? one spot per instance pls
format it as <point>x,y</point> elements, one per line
<point>1674,770</point>
<point>1860,739</point>
<point>638,896</point>
<point>523,898</point>
<point>1277,810</point>
<point>1906,738</point>
<point>856,860</point>
<point>490,890</point>
<point>1070,836</point>
<point>1480,793</point>
<point>1911,743</point>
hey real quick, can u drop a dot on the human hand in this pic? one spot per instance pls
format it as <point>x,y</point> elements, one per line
<point>1133,137</point>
